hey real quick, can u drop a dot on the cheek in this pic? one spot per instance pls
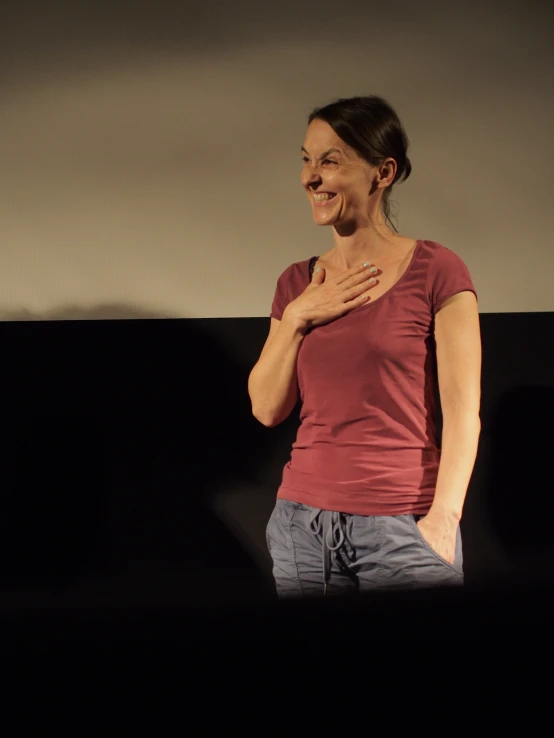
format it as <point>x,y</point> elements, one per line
<point>360,188</point>
<point>334,182</point>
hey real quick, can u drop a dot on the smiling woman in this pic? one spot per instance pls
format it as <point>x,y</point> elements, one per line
<point>373,135</point>
<point>371,497</point>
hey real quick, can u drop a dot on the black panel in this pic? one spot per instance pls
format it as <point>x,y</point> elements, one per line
<point>122,439</point>
<point>115,437</point>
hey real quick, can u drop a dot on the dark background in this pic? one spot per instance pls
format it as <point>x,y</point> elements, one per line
<point>134,476</point>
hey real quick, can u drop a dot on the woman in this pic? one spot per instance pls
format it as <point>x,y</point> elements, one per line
<point>361,335</point>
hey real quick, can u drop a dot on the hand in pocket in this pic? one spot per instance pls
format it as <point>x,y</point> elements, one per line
<point>440,535</point>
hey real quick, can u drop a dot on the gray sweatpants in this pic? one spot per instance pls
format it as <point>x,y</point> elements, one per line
<point>318,552</point>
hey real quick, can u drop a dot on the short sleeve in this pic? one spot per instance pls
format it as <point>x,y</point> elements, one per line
<point>281,298</point>
<point>448,275</point>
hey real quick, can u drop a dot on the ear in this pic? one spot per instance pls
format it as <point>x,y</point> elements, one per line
<point>386,173</point>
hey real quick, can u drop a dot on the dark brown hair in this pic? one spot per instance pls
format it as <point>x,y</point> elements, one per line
<point>371,127</point>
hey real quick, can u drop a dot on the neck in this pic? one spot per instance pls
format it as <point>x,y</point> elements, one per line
<point>368,243</point>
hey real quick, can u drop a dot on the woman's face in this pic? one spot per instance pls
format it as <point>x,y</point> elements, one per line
<point>338,182</point>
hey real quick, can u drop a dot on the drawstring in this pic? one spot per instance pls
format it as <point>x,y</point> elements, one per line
<point>331,526</point>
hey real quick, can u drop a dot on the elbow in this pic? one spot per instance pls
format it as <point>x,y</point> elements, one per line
<point>261,414</point>
<point>459,414</point>
<point>270,417</point>
<point>269,421</point>
<point>469,410</point>
<point>460,404</point>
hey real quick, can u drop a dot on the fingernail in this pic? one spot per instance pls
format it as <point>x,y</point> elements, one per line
<point>317,269</point>
<point>365,264</point>
<point>372,280</point>
<point>373,270</point>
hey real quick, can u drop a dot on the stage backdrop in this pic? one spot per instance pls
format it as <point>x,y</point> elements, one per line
<point>150,154</point>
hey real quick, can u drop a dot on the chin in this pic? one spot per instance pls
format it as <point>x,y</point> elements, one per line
<point>328,222</point>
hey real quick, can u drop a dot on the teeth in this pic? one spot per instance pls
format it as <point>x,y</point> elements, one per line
<point>322,196</point>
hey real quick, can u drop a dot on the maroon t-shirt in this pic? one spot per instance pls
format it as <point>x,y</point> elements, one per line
<point>367,442</point>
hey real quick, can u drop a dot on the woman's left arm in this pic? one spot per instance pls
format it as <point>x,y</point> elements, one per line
<point>458,342</point>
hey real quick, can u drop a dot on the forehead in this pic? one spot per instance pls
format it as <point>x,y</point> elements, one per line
<point>321,137</point>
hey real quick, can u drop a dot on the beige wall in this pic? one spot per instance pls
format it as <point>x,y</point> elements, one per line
<point>150,165</point>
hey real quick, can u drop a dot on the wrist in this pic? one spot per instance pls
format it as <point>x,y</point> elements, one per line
<point>445,514</point>
<point>294,322</point>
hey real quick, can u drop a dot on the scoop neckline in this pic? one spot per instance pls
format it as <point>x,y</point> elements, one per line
<point>398,281</point>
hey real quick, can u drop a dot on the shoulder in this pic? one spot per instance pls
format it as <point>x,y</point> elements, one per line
<point>438,255</point>
<point>441,261</point>
<point>291,282</point>
<point>298,270</point>
<point>447,273</point>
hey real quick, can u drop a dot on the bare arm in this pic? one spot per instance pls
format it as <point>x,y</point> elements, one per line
<point>458,342</point>
<point>459,372</point>
<point>273,382</point>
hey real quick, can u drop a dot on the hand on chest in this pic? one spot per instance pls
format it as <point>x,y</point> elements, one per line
<point>386,273</point>
<point>396,330</point>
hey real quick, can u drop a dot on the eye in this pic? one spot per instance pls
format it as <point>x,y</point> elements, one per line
<point>305,159</point>
<point>329,161</point>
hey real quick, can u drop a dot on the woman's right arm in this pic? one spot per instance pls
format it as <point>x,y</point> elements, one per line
<point>273,382</point>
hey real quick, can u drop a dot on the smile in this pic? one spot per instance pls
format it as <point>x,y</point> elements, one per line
<point>321,198</point>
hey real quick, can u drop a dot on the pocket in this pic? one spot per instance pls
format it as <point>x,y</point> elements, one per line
<point>279,521</point>
<point>267,529</point>
<point>457,566</point>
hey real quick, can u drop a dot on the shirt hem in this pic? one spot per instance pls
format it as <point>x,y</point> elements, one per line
<point>419,505</point>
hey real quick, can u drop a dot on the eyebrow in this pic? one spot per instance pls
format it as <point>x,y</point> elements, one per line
<point>325,153</point>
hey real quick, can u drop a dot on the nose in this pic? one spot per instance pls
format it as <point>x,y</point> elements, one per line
<point>310,176</point>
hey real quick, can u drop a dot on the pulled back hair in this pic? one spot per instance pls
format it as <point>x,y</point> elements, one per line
<point>371,127</point>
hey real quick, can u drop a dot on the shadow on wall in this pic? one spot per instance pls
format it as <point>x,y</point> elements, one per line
<point>117,436</point>
<point>520,489</point>
<point>112,311</point>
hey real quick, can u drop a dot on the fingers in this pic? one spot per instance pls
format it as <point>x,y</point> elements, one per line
<point>356,296</point>
<point>360,291</point>
<point>364,278</point>
<point>318,275</point>
<point>343,293</point>
<point>357,275</point>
